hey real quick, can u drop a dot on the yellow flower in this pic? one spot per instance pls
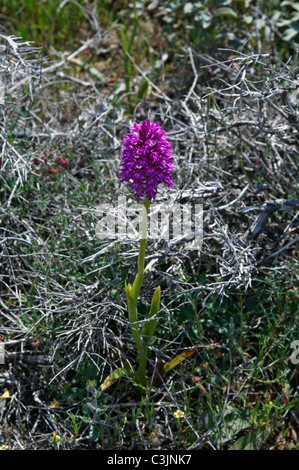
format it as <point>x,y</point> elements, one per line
<point>179,414</point>
<point>56,437</point>
<point>6,394</point>
<point>54,403</point>
<point>3,447</point>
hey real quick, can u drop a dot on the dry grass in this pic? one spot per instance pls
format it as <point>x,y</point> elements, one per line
<point>234,132</point>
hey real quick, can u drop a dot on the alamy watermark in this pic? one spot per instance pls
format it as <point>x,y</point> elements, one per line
<point>166,221</point>
<point>295,354</point>
<point>2,353</point>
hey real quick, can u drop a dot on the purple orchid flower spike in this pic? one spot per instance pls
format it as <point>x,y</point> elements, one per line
<point>147,159</point>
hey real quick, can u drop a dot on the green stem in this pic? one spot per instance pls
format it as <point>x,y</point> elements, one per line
<point>139,278</point>
<point>134,293</point>
<point>143,237</point>
<point>132,309</point>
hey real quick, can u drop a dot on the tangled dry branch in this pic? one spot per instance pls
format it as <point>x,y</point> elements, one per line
<point>236,124</point>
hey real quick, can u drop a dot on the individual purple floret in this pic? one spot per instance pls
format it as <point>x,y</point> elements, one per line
<point>147,159</point>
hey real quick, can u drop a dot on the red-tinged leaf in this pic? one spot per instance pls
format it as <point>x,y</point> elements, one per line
<point>198,382</point>
<point>126,371</point>
<point>178,359</point>
<point>159,373</point>
<point>112,378</point>
<point>151,321</point>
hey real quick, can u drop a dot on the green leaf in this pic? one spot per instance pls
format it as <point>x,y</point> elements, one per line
<point>123,37</point>
<point>289,34</point>
<point>86,419</point>
<point>252,441</point>
<point>94,433</point>
<point>30,6</point>
<point>133,34</point>
<point>188,8</point>
<point>178,359</point>
<point>228,428</point>
<point>131,303</point>
<point>248,19</point>
<point>151,321</point>
<point>91,70</point>
<point>208,105</point>
<point>142,90</point>
<point>112,378</point>
<point>136,287</point>
<point>290,3</point>
<point>225,11</point>
<point>205,19</point>
<point>133,314</point>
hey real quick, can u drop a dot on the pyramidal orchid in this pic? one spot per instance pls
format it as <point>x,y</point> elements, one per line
<point>146,163</point>
<point>147,159</point>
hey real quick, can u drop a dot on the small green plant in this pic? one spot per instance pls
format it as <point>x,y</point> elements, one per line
<point>76,423</point>
<point>85,388</point>
<point>149,412</point>
<point>57,441</point>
